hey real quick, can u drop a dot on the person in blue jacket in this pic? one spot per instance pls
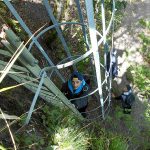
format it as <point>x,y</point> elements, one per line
<point>76,88</point>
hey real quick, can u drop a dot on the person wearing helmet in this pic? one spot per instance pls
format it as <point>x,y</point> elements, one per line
<point>75,89</point>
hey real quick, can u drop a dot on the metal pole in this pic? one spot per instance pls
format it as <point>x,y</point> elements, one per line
<point>103,21</point>
<point>59,32</point>
<point>82,21</point>
<point>14,12</point>
<point>104,36</point>
<point>110,78</point>
<point>35,98</point>
<point>85,35</point>
<point>94,44</point>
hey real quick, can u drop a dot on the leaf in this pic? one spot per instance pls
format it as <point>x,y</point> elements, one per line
<point>2,148</point>
<point>10,117</point>
<point>42,141</point>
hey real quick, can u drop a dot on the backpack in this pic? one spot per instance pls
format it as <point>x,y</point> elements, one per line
<point>130,99</point>
<point>114,63</point>
<point>114,70</point>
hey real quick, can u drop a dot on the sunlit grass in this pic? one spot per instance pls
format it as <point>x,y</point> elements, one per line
<point>70,139</point>
<point>141,78</point>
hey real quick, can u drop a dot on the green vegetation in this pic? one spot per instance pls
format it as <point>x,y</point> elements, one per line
<point>147,112</point>
<point>119,5</point>
<point>139,75</point>
<point>60,129</point>
<point>145,23</point>
<point>145,39</point>
<point>2,148</point>
<point>12,23</point>
<point>108,140</point>
<point>70,138</point>
<point>141,78</point>
<point>118,143</point>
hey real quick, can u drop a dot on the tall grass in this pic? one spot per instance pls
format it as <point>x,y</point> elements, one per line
<point>65,130</point>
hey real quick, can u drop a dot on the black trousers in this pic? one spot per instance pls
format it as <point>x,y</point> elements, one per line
<point>82,111</point>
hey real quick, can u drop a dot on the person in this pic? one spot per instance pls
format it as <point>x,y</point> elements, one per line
<point>127,98</point>
<point>76,87</point>
<point>112,60</point>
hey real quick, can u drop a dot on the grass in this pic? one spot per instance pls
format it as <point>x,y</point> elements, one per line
<point>62,131</point>
<point>108,140</point>
<point>145,39</point>
<point>2,148</point>
<point>70,139</point>
<point>118,143</point>
<point>139,75</point>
